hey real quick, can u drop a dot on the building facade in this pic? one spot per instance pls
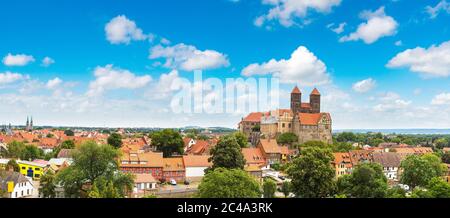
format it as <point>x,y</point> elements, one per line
<point>303,119</point>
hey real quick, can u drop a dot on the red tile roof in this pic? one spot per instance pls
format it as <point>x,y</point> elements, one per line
<point>196,161</point>
<point>315,92</point>
<point>253,117</point>
<point>309,119</point>
<point>253,156</point>
<point>270,146</point>
<point>296,90</point>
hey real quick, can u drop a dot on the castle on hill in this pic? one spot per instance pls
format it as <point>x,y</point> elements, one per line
<point>303,119</point>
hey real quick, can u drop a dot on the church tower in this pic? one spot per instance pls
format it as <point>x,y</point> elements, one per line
<point>296,100</point>
<point>314,101</point>
<point>31,124</point>
<point>27,126</point>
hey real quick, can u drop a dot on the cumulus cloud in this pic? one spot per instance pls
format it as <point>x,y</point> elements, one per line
<point>9,77</point>
<point>165,86</point>
<point>378,25</point>
<point>287,11</point>
<point>17,60</point>
<point>188,57</point>
<point>391,102</point>
<point>303,67</point>
<point>441,99</point>
<point>122,30</point>
<point>110,77</point>
<point>364,85</point>
<point>47,61</point>
<point>53,83</point>
<point>441,6</point>
<point>430,62</point>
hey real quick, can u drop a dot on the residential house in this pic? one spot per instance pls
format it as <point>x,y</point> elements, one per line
<point>173,168</point>
<point>390,161</point>
<point>147,163</point>
<point>270,150</point>
<point>342,164</point>
<point>254,157</point>
<point>143,183</point>
<point>16,185</point>
<point>195,166</point>
<point>31,169</point>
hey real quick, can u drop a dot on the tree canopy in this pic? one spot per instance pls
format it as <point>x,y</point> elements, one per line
<point>241,139</point>
<point>168,141</point>
<point>92,165</point>
<point>269,188</point>
<point>227,154</point>
<point>287,138</point>
<point>228,183</point>
<point>115,140</point>
<point>312,174</point>
<point>419,170</point>
<point>366,181</point>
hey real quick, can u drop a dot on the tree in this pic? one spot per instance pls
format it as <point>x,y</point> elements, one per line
<point>228,183</point>
<point>287,138</point>
<point>31,152</point>
<point>49,135</point>
<point>418,170</point>
<point>441,143</point>
<point>227,154</point>
<point>13,164</point>
<point>269,188</point>
<point>438,188</point>
<point>67,144</point>
<point>15,149</point>
<point>342,147</point>
<point>446,157</point>
<point>317,144</point>
<point>366,181</point>
<point>168,141</point>
<point>47,185</point>
<point>286,188</point>
<point>346,137</point>
<point>312,174</point>
<point>241,139</point>
<point>93,166</point>
<point>256,128</point>
<point>115,140</point>
<point>69,132</point>
<point>396,192</point>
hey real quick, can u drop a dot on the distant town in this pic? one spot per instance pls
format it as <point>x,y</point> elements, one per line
<point>280,153</point>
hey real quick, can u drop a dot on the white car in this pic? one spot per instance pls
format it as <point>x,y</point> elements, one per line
<point>173,182</point>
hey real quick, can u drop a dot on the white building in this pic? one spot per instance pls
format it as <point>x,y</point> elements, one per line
<point>16,185</point>
<point>195,166</point>
<point>390,162</point>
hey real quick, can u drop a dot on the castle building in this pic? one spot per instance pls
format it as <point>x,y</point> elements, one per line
<point>303,119</point>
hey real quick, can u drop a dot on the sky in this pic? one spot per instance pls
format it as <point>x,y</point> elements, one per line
<point>119,63</point>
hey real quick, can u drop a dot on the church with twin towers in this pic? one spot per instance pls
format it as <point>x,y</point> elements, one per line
<point>305,119</point>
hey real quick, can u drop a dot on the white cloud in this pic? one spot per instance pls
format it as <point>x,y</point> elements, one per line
<point>398,43</point>
<point>109,77</point>
<point>378,25</point>
<point>47,61</point>
<point>339,29</point>
<point>17,60</point>
<point>53,83</point>
<point>391,102</point>
<point>430,62</point>
<point>303,67</point>
<point>122,30</point>
<point>441,6</point>
<point>9,77</point>
<point>287,11</point>
<point>165,86</point>
<point>441,99</point>
<point>364,85</point>
<point>188,57</point>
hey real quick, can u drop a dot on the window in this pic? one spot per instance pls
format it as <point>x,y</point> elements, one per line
<point>23,168</point>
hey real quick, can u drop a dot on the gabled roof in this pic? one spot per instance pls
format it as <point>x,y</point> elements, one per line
<point>173,164</point>
<point>309,119</point>
<point>387,159</point>
<point>253,117</point>
<point>148,159</point>
<point>270,146</point>
<point>253,156</point>
<point>10,176</point>
<point>196,161</point>
<point>144,178</point>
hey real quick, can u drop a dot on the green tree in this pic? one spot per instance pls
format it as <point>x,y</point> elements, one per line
<point>286,188</point>
<point>287,138</point>
<point>15,149</point>
<point>312,174</point>
<point>47,185</point>
<point>13,164</point>
<point>366,181</point>
<point>227,154</point>
<point>168,141</point>
<point>115,140</point>
<point>439,188</point>
<point>419,170</point>
<point>317,144</point>
<point>342,147</point>
<point>31,152</point>
<point>269,188</point>
<point>228,183</point>
<point>241,139</point>
<point>346,137</point>
<point>446,157</point>
<point>69,132</point>
<point>396,192</point>
<point>441,143</point>
<point>92,163</point>
<point>67,144</point>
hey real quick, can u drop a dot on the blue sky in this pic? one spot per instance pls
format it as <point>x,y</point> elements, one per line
<point>112,63</point>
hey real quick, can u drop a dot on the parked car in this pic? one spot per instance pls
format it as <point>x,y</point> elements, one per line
<point>173,182</point>
<point>186,182</point>
<point>282,177</point>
